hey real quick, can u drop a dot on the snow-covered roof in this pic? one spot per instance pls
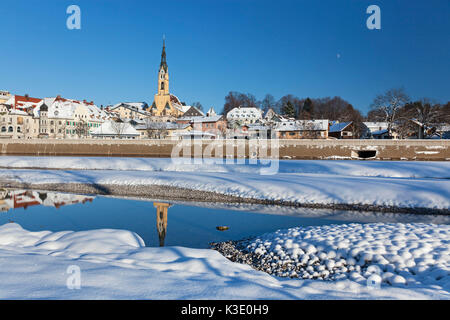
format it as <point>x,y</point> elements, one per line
<point>161,126</point>
<point>302,125</point>
<point>379,132</point>
<point>339,126</point>
<point>68,108</point>
<point>201,119</point>
<point>18,112</point>
<point>111,128</point>
<point>372,125</point>
<point>134,106</point>
<point>23,102</point>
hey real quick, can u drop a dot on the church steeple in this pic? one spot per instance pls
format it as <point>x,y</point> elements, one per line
<point>163,74</point>
<point>163,56</point>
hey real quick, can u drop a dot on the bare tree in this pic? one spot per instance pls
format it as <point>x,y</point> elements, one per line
<point>268,103</point>
<point>238,99</point>
<point>387,106</point>
<point>156,130</point>
<point>81,129</point>
<point>118,128</point>
<point>423,113</point>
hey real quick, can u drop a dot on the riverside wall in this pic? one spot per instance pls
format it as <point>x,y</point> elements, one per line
<point>428,150</point>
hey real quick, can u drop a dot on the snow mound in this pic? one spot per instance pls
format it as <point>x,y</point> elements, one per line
<point>375,254</point>
<point>70,243</point>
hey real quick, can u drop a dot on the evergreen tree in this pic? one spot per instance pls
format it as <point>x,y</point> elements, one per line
<point>289,110</point>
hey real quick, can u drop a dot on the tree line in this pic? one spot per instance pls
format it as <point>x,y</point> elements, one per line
<point>393,106</point>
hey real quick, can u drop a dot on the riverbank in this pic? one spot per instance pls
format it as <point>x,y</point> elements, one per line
<point>182,194</point>
<point>407,187</point>
<point>376,254</point>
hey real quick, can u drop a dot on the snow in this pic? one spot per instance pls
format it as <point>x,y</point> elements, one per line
<point>401,184</point>
<point>388,169</point>
<point>114,264</point>
<point>398,254</point>
<point>111,128</point>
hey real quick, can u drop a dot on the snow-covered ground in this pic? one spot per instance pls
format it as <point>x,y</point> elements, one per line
<point>390,169</point>
<point>411,260</point>
<point>304,188</point>
<point>402,184</point>
<point>114,264</point>
<point>393,254</point>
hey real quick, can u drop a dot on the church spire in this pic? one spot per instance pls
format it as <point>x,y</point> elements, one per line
<point>163,56</point>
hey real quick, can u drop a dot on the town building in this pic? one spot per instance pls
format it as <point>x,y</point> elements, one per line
<point>193,112</point>
<point>216,124</point>
<point>162,130</point>
<point>244,115</point>
<point>376,130</point>
<point>302,129</point>
<point>4,96</point>
<point>114,130</point>
<point>130,110</point>
<point>211,112</point>
<point>17,124</point>
<point>68,118</point>
<point>341,130</point>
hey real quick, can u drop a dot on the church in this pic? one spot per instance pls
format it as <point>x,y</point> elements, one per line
<point>166,104</point>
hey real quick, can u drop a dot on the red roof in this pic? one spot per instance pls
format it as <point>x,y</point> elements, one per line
<point>20,100</point>
<point>174,99</point>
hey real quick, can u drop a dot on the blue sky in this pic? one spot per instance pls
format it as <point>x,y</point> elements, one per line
<point>306,48</point>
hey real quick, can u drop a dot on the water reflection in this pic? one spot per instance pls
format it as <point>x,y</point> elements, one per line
<point>161,220</point>
<point>15,199</point>
<point>192,224</point>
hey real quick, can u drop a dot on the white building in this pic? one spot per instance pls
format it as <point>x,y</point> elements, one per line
<point>68,118</point>
<point>244,115</point>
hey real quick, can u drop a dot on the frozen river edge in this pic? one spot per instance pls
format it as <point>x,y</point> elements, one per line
<point>192,195</point>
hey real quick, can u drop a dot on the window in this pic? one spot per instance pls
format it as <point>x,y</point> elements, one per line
<point>10,129</point>
<point>162,85</point>
<point>18,129</point>
<point>3,129</point>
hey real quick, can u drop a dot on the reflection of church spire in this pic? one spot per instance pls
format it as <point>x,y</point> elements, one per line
<point>161,220</point>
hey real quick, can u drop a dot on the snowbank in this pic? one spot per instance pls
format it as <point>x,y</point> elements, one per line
<point>395,169</point>
<point>326,189</point>
<point>115,265</point>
